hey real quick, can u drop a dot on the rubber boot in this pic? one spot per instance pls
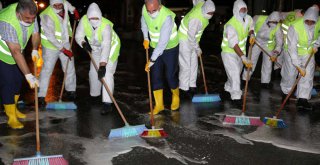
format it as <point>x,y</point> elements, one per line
<point>18,113</point>
<point>175,104</point>
<point>13,122</point>
<point>158,97</point>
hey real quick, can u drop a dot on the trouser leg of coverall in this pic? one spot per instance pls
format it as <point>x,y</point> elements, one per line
<point>95,83</point>
<point>110,70</point>
<point>305,84</point>
<point>71,80</point>
<point>194,69</point>
<point>11,81</point>
<point>233,66</point>
<point>185,54</point>
<point>266,69</point>
<point>254,58</point>
<point>170,61</point>
<point>288,73</point>
<point>50,58</point>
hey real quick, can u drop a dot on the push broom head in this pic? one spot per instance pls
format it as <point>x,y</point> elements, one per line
<point>274,122</point>
<point>41,160</point>
<point>206,98</point>
<point>242,120</point>
<point>154,133</point>
<point>126,131</point>
<point>61,105</point>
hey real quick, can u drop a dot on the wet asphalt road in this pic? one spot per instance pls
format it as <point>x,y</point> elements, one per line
<point>196,134</point>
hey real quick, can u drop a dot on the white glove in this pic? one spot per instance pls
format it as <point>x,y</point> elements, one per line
<point>33,81</point>
<point>246,61</point>
<point>199,52</point>
<point>35,55</point>
<point>296,63</point>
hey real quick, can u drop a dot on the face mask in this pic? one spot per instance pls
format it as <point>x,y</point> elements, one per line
<point>207,16</point>
<point>311,27</point>
<point>24,23</point>
<point>243,15</point>
<point>95,23</point>
<point>154,15</point>
<point>57,10</point>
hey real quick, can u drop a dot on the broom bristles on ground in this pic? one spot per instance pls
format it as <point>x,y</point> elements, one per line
<point>206,98</point>
<point>274,122</point>
<point>61,105</point>
<point>242,120</point>
<point>42,160</point>
<point>154,133</point>
<point>126,131</point>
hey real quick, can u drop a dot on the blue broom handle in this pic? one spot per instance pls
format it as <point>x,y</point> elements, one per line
<point>203,74</point>
<point>293,87</point>
<point>247,81</point>
<point>149,91</point>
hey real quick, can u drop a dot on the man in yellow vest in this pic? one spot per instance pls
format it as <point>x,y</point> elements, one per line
<point>158,21</point>
<point>236,32</point>
<point>104,44</point>
<point>55,33</point>
<point>269,35</point>
<point>302,41</point>
<point>190,32</point>
<point>17,24</point>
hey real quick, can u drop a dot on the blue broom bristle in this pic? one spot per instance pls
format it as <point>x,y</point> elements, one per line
<point>274,122</point>
<point>126,131</point>
<point>61,105</point>
<point>206,98</point>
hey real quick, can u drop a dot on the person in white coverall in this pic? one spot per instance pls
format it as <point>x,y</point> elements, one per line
<point>233,45</point>
<point>269,35</point>
<point>190,32</point>
<point>302,41</point>
<point>55,33</point>
<point>104,44</point>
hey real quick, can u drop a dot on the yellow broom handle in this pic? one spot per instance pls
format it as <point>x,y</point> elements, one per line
<point>203,74</point>
<point>149,91</point>
<point>247,81</point>
<point>66,68</point>
<point>37,110</point>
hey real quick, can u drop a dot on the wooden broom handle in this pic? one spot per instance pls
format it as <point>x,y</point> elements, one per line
<point>37,110</point>
<point>108,90</point>
<point>247,82</point>
<point>149,90</point>
<point>203,74</point>
<point>293,88</point>
<point>279,65</point>
<point>66,68</point>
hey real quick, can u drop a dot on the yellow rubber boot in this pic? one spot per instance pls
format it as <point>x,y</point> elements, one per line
<point>18,113</point>
<point>158,97</point>
<point>175,104</point>
<point>13,122</point>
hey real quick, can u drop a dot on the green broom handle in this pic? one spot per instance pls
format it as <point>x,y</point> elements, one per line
<point>279,65</point>
<point>247,81</point>
<point>37,110</point>
<point>149,90</point>
<point>66,68</point>
<point>108,90</point>
<point>293,88</point>
<point>203,74</point>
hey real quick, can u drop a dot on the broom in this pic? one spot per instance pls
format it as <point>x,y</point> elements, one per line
<point>39,159</point>
<point>64,105</point>
<point>279,65</point>
<point>127,130</point>
<point>206,97</point>
<point>152,133</point>
<point>243,119</point>
<point>276,122</point>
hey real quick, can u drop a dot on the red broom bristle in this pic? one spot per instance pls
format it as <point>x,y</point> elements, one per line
<point>256,122</point>
<point>229,119</point>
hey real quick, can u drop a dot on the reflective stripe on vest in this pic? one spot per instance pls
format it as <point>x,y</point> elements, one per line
<point>115,40</point>
<point>8,15</point>
<point>154,27</point>
<point>58,31</point>
<point>195,13</point>
<point>241,33</point>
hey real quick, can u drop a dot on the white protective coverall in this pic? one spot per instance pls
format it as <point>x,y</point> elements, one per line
<point>231,61</point>
<point>100,53</point>
<point>50,56</point>
<point>190,49</point>
<point>195,2</point>
<point>291,59</point>
<point>262,37</point>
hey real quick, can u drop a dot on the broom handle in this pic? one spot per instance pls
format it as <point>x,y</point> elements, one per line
<point>279,65</point>
<point>149,90</point>
<point>292,88</point>
<point>37,111</point>
<point>203,74</point>
<point>247,81</point>
<point>66,68</point>
<point>108,90</point>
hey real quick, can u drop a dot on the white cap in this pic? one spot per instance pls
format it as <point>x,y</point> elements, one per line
<point>52,2</point>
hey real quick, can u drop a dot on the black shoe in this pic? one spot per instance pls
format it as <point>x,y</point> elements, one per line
<point>41,101</point>
<point>107,108</point>
<point>184,94</point>
<point>225,96</point>
<point>71,95</point>
<point>95,99</point>
<point>192,91</point>
<point>237,103</point>
<point>267,85</point>
<point>303,104</point>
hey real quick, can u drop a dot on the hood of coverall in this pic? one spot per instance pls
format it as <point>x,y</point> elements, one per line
<point>207,7</point>
<point>52,2</point>
<point>94,11</point>
<point>274,16</point>
<point>238,4</point>
<point>311,14</point>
